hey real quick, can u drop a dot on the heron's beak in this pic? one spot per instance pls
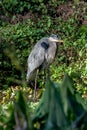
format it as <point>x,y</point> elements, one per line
<point>54,40</point>
<point>59,41</point>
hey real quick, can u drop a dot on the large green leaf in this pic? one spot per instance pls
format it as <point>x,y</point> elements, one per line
<point>21,114</point>
<point>68,95</point>
<point>51,109</point>
<point>19,119</point>
<point>59,107</point>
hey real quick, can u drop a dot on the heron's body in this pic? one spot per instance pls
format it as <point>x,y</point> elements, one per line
<point>42,54</point>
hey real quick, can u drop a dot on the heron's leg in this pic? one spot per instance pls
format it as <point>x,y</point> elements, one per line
<point>47,72</point>
<point>36,83</point>
<point>44,76</point>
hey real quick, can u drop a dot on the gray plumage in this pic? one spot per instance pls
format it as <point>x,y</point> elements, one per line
<point>42,54</point>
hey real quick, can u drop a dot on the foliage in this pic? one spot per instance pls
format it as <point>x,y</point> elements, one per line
<point>16,6</point>
<point>61,107</point>
<point>22,24</point>
<point>25,34</point>
<point>56,110</point>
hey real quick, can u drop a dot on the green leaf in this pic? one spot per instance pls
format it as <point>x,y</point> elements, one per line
<point>69,98</point>
<point>51,109</point>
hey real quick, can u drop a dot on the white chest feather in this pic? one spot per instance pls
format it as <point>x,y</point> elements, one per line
<point>50,53</point>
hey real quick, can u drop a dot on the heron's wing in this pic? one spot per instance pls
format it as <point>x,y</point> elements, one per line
<point>36,58</point>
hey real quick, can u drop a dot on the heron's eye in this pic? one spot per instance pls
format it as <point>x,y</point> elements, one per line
<point>45,45</point>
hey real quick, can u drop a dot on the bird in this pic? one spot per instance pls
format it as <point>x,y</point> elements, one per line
<point>42,55</point>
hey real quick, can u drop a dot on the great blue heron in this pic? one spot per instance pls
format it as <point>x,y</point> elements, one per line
<point>42,55</point>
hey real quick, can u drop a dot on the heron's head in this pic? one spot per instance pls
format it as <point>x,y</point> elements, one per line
<point>54,38</point>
